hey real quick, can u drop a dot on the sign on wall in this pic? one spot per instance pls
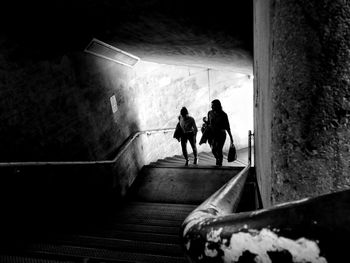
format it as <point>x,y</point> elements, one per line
<point>114,104</point>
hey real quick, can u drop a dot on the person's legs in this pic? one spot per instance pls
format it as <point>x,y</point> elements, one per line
<point>192,140</point>
<point>220,145</point>
<point>214,147</point>
<point>184,148</point>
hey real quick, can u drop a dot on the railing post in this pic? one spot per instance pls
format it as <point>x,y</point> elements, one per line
<point>249,146</point>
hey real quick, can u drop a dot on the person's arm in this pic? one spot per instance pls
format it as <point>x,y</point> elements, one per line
<point>194,126</point>
<point>208,119</point>
<point>228,129</point>
<point>231,138</point>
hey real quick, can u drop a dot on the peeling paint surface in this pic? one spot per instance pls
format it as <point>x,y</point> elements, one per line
<point>214,235</point>
<point>264,241</point>
<point>210,252</point>
<point>197,217</point>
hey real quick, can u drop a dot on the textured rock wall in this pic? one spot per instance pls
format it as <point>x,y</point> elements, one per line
<point>97,81</point>
<point>310,82</point>
<point>38,105</point>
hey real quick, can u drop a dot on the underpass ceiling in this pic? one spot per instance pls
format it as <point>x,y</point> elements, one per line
<point>217,35</point>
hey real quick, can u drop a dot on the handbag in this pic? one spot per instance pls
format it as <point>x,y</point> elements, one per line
<point>178,132</point>
<point>232,153</point>
<point>204,138</point>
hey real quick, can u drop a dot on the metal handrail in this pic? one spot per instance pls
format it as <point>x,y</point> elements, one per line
<point>226,199</point>
<point>200,227</point>
<point>197,229</point>
<point>223,202</point>
<point>308,230</point>
<point>123,148</point>
<point>298,230</point>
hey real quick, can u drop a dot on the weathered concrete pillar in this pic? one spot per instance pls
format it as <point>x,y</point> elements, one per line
<point>302,94</point>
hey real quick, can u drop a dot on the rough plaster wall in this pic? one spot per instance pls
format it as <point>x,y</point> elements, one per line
<point>58,108</point>
<point>99,79</point>
<point>38,100</point>
<point>161,90</point>
<point>262,99</point>
<point>310,95</point>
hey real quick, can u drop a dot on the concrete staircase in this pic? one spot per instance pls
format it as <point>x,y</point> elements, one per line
<point>144,227</point>
<point>206,160</point>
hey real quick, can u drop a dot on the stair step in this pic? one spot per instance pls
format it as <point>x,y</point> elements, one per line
<point>157,204</point>
<point>170,162</point>
<point>149,221</point>
<point>186,185</point>
<point>174,159</point>
<point>101,254</point>
<point>140,236</point>
<point>205,158</point>
<point>155,213</point>
<point>146,228</point>
<point>30,259</point>
<point>138,246</point>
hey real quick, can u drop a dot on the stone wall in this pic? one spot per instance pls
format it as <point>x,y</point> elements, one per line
<point>39,107</point>
<point>309,83</point>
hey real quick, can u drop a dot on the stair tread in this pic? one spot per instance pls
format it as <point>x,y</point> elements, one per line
<point>141,229</point>
<point>146,220</point>
<point>181,184</point>
<point>141,203</point>
<point>155,213</point>
<point>156,205</point>
<point>205,158</point>
<point>140,236</point>
<point>198,166</point>
<point>173,249</point>
<point>100,253</point>
<point>145,228</point>
<point>31,259</point>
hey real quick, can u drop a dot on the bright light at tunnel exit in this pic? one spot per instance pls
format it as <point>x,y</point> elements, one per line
<point>166,88</point>
<point>156,93</point>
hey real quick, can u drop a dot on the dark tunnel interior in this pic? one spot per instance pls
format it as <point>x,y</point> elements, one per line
<point>47,29</point>
<point>52,110</point>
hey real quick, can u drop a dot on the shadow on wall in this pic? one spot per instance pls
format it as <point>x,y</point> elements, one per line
<point>58,109</point>
<point>39,108</point>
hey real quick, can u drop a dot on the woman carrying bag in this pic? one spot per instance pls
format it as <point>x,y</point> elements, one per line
<point>218,124</point>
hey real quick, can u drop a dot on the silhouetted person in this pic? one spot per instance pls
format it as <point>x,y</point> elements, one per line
<point>189,133</point>
<point>218,124</point>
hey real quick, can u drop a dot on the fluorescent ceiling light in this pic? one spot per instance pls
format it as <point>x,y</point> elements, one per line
<point>103,50</point>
